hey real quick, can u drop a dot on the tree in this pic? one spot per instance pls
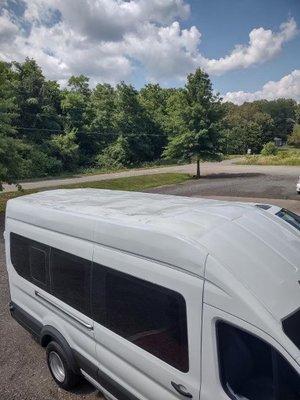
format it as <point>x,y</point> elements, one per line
<point>38,103</point>
<point>65,148</point>
<point>75,100</point>
<point>246,127</point>
<point>200,134</point>
<point>294,138</point>
<point>133,123</point>
<point>99,115</point>
<point>10,159</point>
<point>283,113</point>
<point>269,149</point>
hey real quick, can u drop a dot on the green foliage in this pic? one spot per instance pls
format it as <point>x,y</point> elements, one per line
<point>65,148</point>
<point>294,138</point>
<point>10,160</point>
<point>38,103</point>
<point>283,113</point>
<point>115,156</point>
<point>247,127</point>
<point>198,123</point>
<point>269,149</point>
<point>99,115</point>
<point>283,157</point>
<point>46,130</point>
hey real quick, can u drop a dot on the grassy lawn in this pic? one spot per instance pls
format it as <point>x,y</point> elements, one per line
<point>135,183</point>
<point>285,156</point>
<point>99,171</point>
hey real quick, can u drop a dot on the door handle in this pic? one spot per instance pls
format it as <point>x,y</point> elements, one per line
<point>181,390</point>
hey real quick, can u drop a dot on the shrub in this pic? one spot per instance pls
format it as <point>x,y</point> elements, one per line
<point>116,155</point>
<point>269,149</point>
<point>294,138</point>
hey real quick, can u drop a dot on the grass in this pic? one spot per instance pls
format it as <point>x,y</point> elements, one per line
<point>99,171</point>
<point>134,183</point>
<point>286,156</point>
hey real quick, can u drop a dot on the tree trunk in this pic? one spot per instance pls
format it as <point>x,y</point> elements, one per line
<point>198,168</point>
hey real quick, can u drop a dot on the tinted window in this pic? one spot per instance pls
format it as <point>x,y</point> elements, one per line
<point>290,217</point>
<point>19,254</point>
<point>291,327</point>
<point>37,262</point>
<point>148,315</point>
<point>70,279</point>
<point>251,369</point>
<point>30,259</point>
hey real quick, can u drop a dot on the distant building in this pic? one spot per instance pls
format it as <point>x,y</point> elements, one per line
<point>278,141</point>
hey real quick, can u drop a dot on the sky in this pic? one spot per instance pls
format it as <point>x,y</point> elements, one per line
<point>249,48</point>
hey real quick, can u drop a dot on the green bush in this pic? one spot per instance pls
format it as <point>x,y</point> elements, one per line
<point>269,149</point>
<point>36,163</point>
<point>115,156</point>
<point>294,138</point>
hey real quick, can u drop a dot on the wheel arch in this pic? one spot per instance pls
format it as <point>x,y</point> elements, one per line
<point>49,334</point>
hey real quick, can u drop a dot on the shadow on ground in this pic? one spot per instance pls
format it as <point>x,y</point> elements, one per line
<point>224,175</point>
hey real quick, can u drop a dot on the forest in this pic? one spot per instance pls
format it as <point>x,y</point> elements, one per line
<point>47,130</point>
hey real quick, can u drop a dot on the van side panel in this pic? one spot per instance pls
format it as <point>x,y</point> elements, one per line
<point>138,371</point>
<point>42,308</point>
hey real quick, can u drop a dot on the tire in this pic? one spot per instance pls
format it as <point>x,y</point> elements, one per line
<point>60,367</point>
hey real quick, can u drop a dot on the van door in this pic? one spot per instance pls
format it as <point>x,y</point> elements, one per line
<point>147,325</point>
<point>241,362</point>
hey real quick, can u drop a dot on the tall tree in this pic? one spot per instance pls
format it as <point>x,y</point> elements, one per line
<point>246,127</point>
<point>99,117</point>
<point>38,101</point>
<point>283,113</point>
<point>201,133</point>
<point>132,122</point>
<point>10,159</point>
<point>75,99</point>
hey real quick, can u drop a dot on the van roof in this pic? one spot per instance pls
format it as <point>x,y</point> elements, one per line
<point>254,245</point>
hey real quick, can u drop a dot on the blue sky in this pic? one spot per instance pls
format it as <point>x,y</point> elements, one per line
<point>225,23</point>
<point>250,48</point>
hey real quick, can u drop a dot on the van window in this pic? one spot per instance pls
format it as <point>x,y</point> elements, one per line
<point>289,217</point>
<point>37,263</point>
<point>251,369</point>
<point>30,259</point>
<point>70,279</point>
<point>148,315</point>
<point>19,254</point>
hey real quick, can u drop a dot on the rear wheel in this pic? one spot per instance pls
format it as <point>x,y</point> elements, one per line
<point>60,367</point>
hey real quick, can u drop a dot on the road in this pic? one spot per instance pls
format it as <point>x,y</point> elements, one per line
<point>207,169</point>
<point>23,370</point>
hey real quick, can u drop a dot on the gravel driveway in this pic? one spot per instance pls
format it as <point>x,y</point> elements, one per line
<point>207,169</point>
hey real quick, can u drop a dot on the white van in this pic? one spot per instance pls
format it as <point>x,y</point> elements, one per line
<point>153,297</point>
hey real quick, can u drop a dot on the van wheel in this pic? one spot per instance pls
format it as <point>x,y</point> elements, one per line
<point>60,367</point>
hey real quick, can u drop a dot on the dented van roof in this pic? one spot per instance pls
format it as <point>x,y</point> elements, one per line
<point>259,249</point>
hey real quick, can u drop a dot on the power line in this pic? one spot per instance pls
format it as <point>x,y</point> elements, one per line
<point>88,132</point>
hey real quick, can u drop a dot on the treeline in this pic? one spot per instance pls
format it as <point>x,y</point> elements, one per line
<point>45,130</point>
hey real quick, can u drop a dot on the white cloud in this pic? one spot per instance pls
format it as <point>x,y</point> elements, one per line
<point>106,39</point>
<point>263,45</point>
<point>108,19</point>
<point>166,52</point>
<point>8,30</point>
<point>287,87</point>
